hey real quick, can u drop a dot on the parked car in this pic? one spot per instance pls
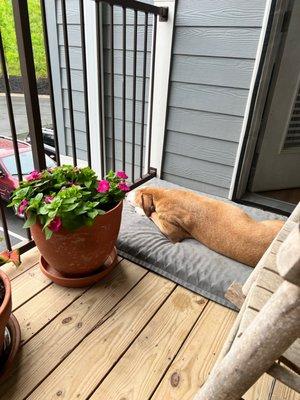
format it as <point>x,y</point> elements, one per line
<point>48,140</point>
<point>8,169</point>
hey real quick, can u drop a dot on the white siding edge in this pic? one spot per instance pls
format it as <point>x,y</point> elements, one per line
<point>160,91</point>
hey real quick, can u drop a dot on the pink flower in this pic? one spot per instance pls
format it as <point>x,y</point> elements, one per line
<point>55,225</point>
<point>48,199</point>
<point>34,175</point>
<point>103,186</point>
<point>122,186</point>
<point>22,207</point>
<point>121,174</point>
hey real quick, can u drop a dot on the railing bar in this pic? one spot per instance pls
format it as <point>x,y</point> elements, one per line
<point>22,27</point>
<point>4,225</point>
<point>143,94</point>
<point>49,71</point>
<point>139,6</point>
<point>100,86</point>
<point>85,85</point>
<point>112,99</point>
<point>10,110</point>
<point>124,93</point>
<point>152,89</point>
<point>69,82</point>
<point>134,94</point>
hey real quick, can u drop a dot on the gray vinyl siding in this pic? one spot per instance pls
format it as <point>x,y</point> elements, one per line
<point>75,52</point>
<point>118,82</point>
<point>215,44</point>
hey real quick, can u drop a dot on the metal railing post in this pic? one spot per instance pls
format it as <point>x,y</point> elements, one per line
<point>22,26</point>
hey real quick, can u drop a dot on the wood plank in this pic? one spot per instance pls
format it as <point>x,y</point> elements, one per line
<point>269,280</point>
<point>48,348</point>
<point>139,371</point>
<point>216,42</point>
<point>196,358</point>
<point>220,13</point>
<point>223,127</point>
<point>28,284</point>
<point>216,99</point>
<point>106,344</point>
<point>199,170</point>
<point>192,146</point>
<point>282,392</point>
<point>28,260</point>
<point>261,389</point>
<point>212,71</point>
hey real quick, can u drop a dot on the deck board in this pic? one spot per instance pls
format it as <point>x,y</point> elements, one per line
<point>133,336</point>
<point>153,350</point>
<point>196,358</point>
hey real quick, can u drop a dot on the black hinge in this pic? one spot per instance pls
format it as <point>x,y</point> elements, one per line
<point>163,14</point>
<point>286,21</point>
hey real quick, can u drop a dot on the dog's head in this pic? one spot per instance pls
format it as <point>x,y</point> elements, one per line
<point>142,200</point>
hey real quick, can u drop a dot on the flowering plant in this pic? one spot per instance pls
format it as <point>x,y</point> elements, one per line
<point>67,196</point>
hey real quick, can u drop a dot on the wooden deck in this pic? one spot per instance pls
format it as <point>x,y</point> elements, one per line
<point>133,336</point>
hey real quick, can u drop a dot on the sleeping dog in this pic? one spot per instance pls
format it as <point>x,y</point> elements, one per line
<point>222,227</point>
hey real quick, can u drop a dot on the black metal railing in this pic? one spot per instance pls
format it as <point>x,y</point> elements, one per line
<point>145,17</point>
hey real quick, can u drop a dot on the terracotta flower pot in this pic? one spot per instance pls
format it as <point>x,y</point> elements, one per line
<point>83,251</point>
<point>5,308</point>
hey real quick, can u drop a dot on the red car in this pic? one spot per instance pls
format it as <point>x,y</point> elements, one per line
<point>8,169</point>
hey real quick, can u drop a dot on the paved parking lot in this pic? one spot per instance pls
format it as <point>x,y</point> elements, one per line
<point>20,114</point>
<point>16,232</point>
<point>15,227</point>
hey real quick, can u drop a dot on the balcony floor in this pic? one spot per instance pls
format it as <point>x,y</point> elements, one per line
<point>133,336</point>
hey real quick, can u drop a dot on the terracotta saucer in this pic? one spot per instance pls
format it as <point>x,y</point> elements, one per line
<point>10,353</point>
<point>83,281</point>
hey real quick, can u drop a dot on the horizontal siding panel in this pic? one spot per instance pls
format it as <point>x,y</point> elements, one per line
<point>216,42</point>
<point>78,100</point>
<point>79,120</point>
<point>118,109</point>
<point>207,149</point>
<point>74,35</point>
<point>72,8</point>
<point>198,170</point>
<point>220,13</point>
<point>75,55</point>
<point>128,130</point>
<point>80,139</point>
<point>81,154</point>
<point>128,151</point>
<point>196,185</point>
<point>118,60</point>
<point>208,98</point>
<point>201,123</point>
<point>77,84</point>
<point>127,168</point>
<point>118,38</point>
<point>212,71</point>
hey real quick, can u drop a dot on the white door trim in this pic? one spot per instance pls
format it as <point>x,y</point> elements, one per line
<point>163,57</point>
<point>249,100</point>
<point>240,179</point>
<point>92,84</point>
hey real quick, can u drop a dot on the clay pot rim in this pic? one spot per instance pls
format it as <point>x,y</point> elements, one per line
<point>5,279</point>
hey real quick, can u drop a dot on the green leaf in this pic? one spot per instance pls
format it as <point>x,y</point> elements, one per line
<point>48,233</point>
<point>30,220</point>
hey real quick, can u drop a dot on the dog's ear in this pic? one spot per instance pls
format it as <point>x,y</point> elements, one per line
<point>147,204</point>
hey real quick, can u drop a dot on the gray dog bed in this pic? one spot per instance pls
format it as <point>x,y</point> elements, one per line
<point>189,263</point>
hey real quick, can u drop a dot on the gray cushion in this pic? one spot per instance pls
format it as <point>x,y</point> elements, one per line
<point>188,263</point>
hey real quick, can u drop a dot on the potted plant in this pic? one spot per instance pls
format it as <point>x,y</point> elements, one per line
<point>74,220</point>
<point>9,328</point>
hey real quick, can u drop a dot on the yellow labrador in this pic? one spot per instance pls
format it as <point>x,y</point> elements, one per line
<point>222,227</point>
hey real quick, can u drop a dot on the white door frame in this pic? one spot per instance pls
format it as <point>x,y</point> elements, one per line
<point>274,17</point>
<point>164,41</point>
